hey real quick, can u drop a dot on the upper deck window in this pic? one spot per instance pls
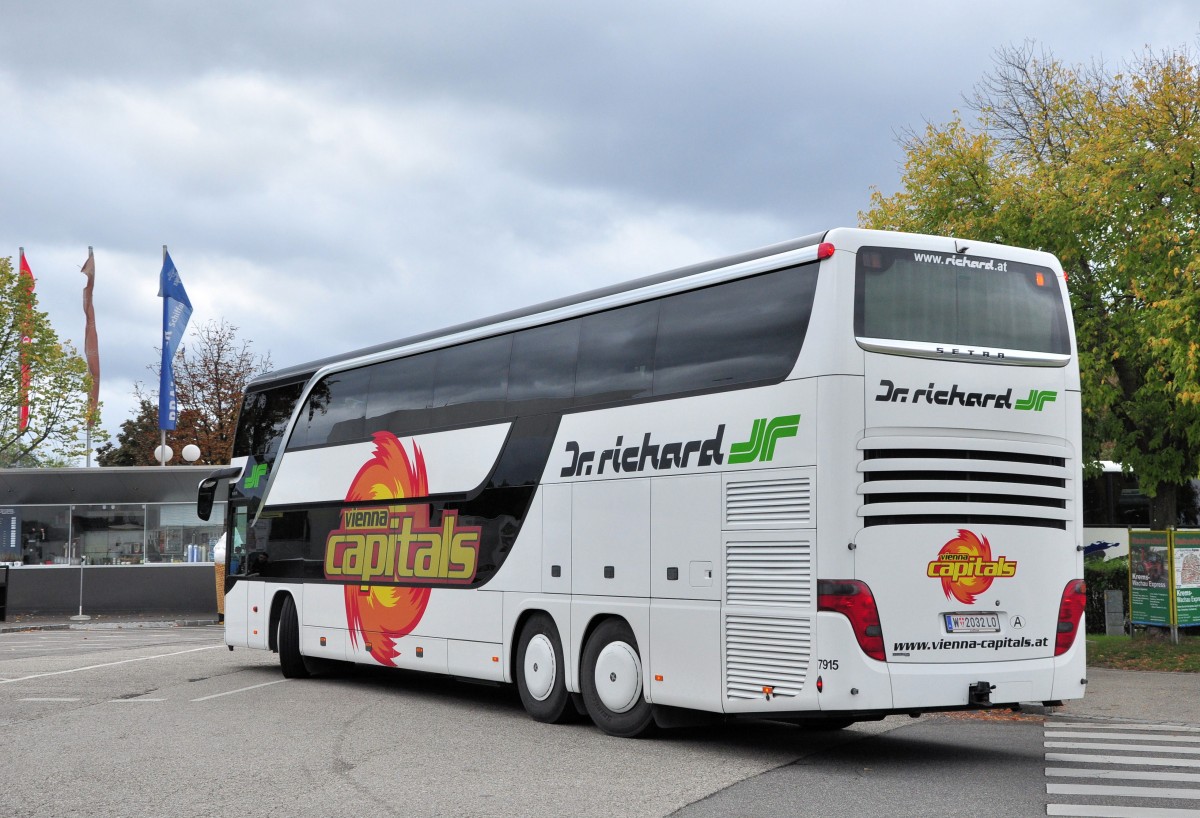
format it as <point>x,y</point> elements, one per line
<point>946,298</point>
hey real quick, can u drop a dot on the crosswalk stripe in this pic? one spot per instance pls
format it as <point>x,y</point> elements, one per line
<point>1104,811</point>
<point>1142,748</point>
<point>1115,775</point>
<point>1128,736</point>
<point>1179,728</point>
<point>1154,761</point>
<point>1116,789</point>
<point>1132,743</point>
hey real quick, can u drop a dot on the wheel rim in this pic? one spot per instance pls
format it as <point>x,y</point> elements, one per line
<point>618,677</point>
<point>540,669</point>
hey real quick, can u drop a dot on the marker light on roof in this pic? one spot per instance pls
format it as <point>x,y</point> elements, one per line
<point>824,250</point>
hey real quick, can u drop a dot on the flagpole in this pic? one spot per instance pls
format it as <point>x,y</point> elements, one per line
<point>23,398</point>
<point>89,442</point>
<point>162,440</point>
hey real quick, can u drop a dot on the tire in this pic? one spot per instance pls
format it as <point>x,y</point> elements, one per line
<point>541,672</point>
<point>612,681</point>
<point>291,662</point>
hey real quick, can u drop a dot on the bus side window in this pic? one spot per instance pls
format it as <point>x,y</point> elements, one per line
<point>400,395</point>
<point>333,411</point>
<point>616,354</point>
<point>740,332</point>
<point>542,377</point>
<point>470,381</point>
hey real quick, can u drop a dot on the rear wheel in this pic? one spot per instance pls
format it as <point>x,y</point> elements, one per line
<point>612,681</point>
<point>540,672</point>
<point>291,662</point>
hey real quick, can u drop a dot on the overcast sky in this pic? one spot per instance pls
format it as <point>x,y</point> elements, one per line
<point>330,175</point>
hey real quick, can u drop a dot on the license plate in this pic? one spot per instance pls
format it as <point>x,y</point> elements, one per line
<point>972,623</point>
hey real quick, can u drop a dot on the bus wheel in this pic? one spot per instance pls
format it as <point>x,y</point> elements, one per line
<point>288,639</point>
<point>540,676</point>
<point>612,681</point>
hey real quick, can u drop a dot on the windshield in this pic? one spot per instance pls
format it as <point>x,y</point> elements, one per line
<point>946,298</point>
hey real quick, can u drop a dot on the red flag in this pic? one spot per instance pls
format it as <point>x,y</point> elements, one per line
<point>91,346</point>
<point>26,327</point>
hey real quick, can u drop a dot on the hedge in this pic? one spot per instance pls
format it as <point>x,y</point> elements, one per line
<point>1101,576</point>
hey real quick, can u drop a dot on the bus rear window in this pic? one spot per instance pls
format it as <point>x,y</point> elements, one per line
<point>944,298</point>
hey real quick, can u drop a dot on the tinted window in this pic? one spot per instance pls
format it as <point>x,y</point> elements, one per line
<point>471,381</point>
<point>740,332</point>
<point>616,354</point>
<point>263,418</point>
<point>958,299</point>
<point>333,411</point>
<point>542,375</point>
<point>400,396</point>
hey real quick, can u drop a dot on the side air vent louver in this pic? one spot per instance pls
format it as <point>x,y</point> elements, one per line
<point>910,480</point>
<point>768,502</point>
<point>765,652</point>
<point>774,574</point>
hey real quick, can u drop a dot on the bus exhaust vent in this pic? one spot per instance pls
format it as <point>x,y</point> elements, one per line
<point>765,656</point>
<point>768,573</point>
<point>915,480</point>
<point>768,502</point>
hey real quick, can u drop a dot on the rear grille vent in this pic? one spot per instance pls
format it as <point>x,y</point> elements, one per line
<point>772,574</point>
<point>764,652</point>
<point>908,481</point>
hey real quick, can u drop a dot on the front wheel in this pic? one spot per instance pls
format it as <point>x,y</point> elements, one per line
<point>291,661</point>
<point>612,681</point>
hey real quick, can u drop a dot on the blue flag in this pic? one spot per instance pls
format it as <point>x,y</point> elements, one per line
<point>177,309</point>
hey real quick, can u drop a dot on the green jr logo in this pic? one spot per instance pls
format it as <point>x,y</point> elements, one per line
<point>1037,399</point>
<point>256,474</point>
<point>763,437</point>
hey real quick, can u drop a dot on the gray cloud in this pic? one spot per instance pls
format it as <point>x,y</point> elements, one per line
<point>330,176</point>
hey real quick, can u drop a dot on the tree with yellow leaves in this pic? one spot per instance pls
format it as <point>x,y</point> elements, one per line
<point>1100,168</point>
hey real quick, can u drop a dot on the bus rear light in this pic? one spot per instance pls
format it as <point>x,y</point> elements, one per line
<point>1070,615</point>
<point>824,251</point>
<point>854,600</point>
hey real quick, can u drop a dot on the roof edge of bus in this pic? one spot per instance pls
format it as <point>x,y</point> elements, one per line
<point>305,370</point>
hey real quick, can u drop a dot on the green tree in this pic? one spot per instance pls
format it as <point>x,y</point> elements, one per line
<point>58,389</point>
<point>1099,168</point>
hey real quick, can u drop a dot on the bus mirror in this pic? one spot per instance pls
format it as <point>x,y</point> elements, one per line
<point>206,494</point>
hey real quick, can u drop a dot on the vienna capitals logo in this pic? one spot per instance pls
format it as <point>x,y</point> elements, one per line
<point>763,437</point>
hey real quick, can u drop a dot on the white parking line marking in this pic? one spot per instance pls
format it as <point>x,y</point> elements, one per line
<point>108,664</point>
<point>239,690</point>
<point>46,699</point>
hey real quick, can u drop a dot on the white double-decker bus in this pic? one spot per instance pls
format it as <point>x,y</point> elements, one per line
<point>828,480</point>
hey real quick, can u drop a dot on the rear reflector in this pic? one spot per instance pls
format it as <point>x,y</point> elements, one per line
<point>1070,615</point>
<point>854,600</point>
